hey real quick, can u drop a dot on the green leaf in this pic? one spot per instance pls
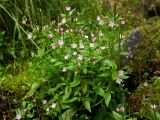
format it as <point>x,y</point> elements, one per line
<point>33,89</point>
<point>116,115</point>
<point>84,86</point>
<point>76,82</point>
<point>85,70</point>
<point>71,12</point>
<point>68,91</point>
<point>29,115</point>
<point>104,74</point>
<point>107,98</point>
<point>87,104</point>
<point>58,63</point>
<point>101,92</point>
<point>68,114</point>
<point>40,52</point>
<point>23,104</point>
<point>53,60</point>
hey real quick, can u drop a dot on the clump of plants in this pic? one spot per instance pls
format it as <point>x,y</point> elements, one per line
<point>79,61</point>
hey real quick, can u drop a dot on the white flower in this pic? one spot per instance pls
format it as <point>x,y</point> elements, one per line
<point>74,45</point>
<point>119,81</point>
<point>68,8</point>
<point>80,57</point>
<point>145,84</point>
<point>153,106</point>
<point>91,45</point>
<point>101,22</point>
<point>74,53</point>
<point>121,72</point>
<point>103,47</point>
<point>45,27</point>
<point>120,109</point>
<point>98,18</point>
<point>50,35</point>
<point>64,69</point>
<point>47,109</point>
<point>92,35</point>
<point>24,21</point>
<point>76,19</point>
<point>18,116</point>
<point>79,64</point>
<point>81,46</point>
<point>63,21</point>
<point>100,34</point>
<point>29,35</point>
<point>66,57</point>
<point>60,42</point>
<point>53,105</point>
<point>86,37</point>
<point>44,101</point>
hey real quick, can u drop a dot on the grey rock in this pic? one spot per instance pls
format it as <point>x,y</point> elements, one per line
<point>134,38</point>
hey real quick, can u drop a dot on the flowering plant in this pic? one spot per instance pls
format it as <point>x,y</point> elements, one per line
<point>84,63</point>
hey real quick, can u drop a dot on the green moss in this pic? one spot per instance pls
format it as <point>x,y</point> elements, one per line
<point>148,50</point>
<point>144,96</point>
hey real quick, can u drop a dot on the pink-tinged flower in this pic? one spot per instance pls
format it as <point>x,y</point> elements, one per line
<point>91,45</point>
<point>50,35</point>
<point>105,17</point>
<point>86,37</point>
<point>63,21</point>
<point>29,35</point>
<point>74,45</point>
<point>18,116</point>
<point>119,81</point>
<point>80,57</point>
<point>66,57</point>
<point>81,46</point>
<point>44,102</point>
<point>94,39</point>
<point>111,23</point>
<point>60,42</point>
<point>64,69</point>
<point>74,53</point>
<point>98,18</point>
<point>53,46</point>
<point>123,22</point>
<point>53,105</point>
<point>68,8</point>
